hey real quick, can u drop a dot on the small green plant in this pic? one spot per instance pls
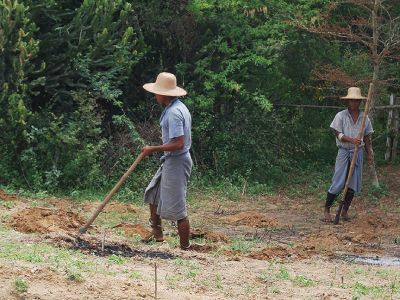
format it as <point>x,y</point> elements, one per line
<point>21,285</point>
<point>192,273</point>
<point>363,290</point>
<point>8,204</point>
<point>243,245</point>
<point>218,282</point>
<point>135,275</point>
<point>283,274</point>
<point>274,290</point>
<point>303,281</point>
<point>116,259</point>
<point>377,192</point>
<point>74,276</point>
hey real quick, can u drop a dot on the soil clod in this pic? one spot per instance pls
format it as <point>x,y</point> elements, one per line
<point>252,219</point>
<point>45,220</point>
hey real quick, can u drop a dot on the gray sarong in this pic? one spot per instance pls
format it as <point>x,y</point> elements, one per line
<point>343,158</point>
<point>168,188</point>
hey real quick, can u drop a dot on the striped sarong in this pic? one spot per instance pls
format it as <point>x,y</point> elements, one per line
<point>343,159</point>
<point>168,188</point>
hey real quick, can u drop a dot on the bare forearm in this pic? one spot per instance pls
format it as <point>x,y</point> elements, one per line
<point>347,139</point>
<point>174,145</point>
<point>368,145</point>
<point>171,146</point>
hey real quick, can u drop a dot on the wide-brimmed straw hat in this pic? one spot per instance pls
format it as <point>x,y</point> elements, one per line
<point>353,93</point>
<point>165,85</point>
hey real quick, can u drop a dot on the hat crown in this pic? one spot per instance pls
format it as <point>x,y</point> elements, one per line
<point>354,93</point>
<point>166,81</point>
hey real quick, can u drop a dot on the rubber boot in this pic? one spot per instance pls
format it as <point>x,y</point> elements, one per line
<point>183,232</point>
<point>346,205</point>
<point>330,198</point>
<point>155,224</point>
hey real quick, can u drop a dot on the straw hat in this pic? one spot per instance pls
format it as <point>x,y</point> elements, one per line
<point>354,93</point>
<point>165,85</point>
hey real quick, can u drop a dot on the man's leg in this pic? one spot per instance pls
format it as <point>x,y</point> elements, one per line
<point>155,223</point>
<point>328,204</point>
<point>183,231</point>
<point>347,202</point>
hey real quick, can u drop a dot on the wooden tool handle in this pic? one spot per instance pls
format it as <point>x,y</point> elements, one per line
<point>84,228</point>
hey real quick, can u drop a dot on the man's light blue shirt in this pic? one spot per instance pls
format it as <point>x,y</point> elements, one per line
<point>176,121</point>
<point>343,123</point>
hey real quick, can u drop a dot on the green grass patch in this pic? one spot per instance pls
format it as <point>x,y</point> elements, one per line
<point>242,245</point>
<point>8,204</point>
<point>74,275</point>
<point>117,259</point>
<point>21,285</point>
<point>303,281</point>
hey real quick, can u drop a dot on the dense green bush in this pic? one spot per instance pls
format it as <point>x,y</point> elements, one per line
<point>73,114</point>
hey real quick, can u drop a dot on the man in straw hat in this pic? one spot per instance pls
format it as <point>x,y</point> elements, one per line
<point>166,193</point>
<point>346,126</point>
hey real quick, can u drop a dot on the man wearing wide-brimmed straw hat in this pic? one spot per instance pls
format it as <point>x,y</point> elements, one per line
<point>346,126</point>
<point>166,193</point>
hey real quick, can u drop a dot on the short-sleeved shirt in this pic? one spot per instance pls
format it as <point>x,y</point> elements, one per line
<point>343,123</point>
<point>176,121</point>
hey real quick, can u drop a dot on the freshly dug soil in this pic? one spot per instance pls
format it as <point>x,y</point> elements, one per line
<point>134,229</point>
<point>6,197</point>
<point>45,220</point>
<point>252,219</point>
<point>273,252</point>
<point>209,235</point>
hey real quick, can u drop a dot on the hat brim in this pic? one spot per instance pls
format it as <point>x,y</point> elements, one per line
<point>353,98</point>
<point>155,89</point>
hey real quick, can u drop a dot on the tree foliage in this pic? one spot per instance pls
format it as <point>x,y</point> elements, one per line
<point>72,107</point>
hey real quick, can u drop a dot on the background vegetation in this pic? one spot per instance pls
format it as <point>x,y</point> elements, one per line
<point>73,114</point>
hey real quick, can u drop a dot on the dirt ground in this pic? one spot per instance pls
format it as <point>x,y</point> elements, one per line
<point>268,247</point>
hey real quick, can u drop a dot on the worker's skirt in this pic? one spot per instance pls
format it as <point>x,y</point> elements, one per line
<point>168,188</point>
<point>343,160</point>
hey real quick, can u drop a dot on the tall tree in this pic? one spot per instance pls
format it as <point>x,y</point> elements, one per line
<point>373,27</point>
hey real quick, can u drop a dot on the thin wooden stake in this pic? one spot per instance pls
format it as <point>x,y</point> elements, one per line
<point>155,281</point>
<point>103,241</point>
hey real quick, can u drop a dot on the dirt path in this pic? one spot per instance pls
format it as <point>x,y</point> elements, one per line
<point>278,249</point>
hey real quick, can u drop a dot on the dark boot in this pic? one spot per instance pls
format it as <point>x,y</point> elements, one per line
<point>330,198</point>
<point>183,232</point>
<point>346,205</point>
<point>155,224</point>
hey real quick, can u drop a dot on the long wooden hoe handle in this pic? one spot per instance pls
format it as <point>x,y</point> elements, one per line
<point>354,159</point>
<point>84,228</point>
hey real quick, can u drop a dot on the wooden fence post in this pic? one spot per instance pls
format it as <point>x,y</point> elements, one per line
<point>395,129</point>
<point>392,130</point>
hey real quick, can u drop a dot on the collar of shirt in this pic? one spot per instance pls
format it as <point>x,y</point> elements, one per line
<point>351,118</point>
<point>168,107</point>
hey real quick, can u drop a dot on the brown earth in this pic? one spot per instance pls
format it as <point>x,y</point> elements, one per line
<point>6,197</point>
<point>282,227</point>
<point>45,220</point>
<point>252,219</point>
<point>133,229</point>
<point>208,235</point>
<point>115,207</point>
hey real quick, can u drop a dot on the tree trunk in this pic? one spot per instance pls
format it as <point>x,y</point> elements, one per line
<point>375,76</point>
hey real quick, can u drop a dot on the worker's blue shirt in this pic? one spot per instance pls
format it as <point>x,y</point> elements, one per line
<point>343,123</point>
<point>176,121</point>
